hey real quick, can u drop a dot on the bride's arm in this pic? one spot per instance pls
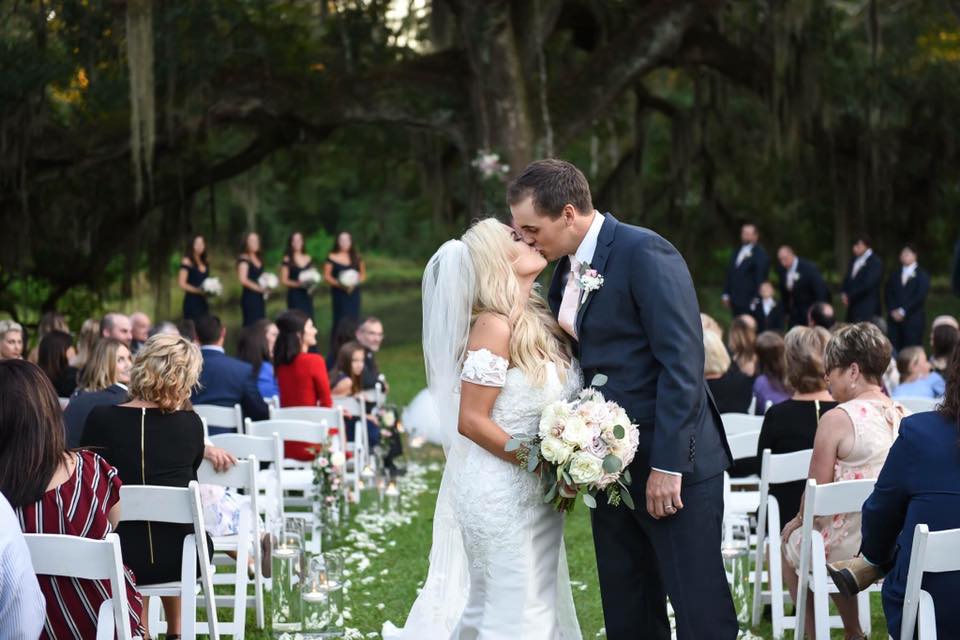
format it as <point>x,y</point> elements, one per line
<point>477,397</point>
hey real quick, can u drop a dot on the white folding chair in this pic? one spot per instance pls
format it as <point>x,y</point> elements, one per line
<point>919,405</point>
<point>734,423</point>
<point>356,406</point>
<point>273,402</point>
<point>87,559</point>
<point>936,552</point>
<point>831,499</point>
<point>63,403</point>
<point>242,475</point>
<point>375,396</point>
<point>742,445</point>
<point>332,419</point>
<point>296,475</point>
<point>176,505</point>
<point>221,417</point>
<point>267,449</point>
<point>774,469</point>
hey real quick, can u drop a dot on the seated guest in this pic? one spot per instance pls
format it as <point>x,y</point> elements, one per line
<point>742,343</point>
<point>22,608</point>
<point>851,443</point>
<point>139,330</point>
<point>89,335</point>
<point>346,379</point>
<point>104,382</point>
<point>188,329</point>
<point>49,321</point>
<point>821,315</point>
<point>11,340</point>
<point>117,326</point>
<point>54,355</point>
<point>301,376</point>
<point>792,425</point>
<point>916,379</point>
<point>919,484</point>
<point>709,324</point>
<point>55,490</point>
<point>770,387</point>
<point>253,348</point>
<point>370,335</point>
<point>155,439</point>
<point>224,380</point>
<point>766,310</point>
<point>166,327</point>
<point>732,391</point>
<point>345,331</point>
<point>944,337</point>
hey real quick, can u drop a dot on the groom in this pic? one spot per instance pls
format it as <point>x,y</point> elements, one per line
<point>641,328</point>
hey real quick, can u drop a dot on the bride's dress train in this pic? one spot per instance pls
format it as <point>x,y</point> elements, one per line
<point>497,566</point>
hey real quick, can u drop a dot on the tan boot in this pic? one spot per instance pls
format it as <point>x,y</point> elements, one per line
<point>854,575</point>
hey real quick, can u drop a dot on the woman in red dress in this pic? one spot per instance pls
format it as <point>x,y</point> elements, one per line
<point>301,375</point>
<point>54,490</point>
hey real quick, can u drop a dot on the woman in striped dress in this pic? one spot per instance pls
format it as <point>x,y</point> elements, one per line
<point>54,490</point>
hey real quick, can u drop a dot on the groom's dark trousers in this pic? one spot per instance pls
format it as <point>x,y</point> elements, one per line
<point>642,330</point>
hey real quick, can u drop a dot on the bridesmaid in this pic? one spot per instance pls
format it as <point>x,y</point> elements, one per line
<point>346,300</point>
<point>295,260</point>
<point>249,270</point>
<point>194,269</point>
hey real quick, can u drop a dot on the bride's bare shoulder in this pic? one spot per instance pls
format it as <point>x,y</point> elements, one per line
<point>490,331</point>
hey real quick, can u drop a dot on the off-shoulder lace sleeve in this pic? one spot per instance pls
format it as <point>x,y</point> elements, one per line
<point>485,368</point>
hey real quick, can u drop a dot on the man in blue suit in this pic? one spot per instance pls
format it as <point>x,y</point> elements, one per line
<point>225,381</point>
<point>906,296</point>
<point>641,329</point>
<point>748,269</point>
<point>861,286</point>
<point>801,285</point>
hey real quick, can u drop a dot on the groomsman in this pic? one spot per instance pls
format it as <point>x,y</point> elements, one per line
<point>906,296</point>
<point>801,285</point>
<point>748,269</point>
<point>861,286</point>
<point>767,311</point>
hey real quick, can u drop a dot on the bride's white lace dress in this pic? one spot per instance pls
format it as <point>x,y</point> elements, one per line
<point>504,575</point>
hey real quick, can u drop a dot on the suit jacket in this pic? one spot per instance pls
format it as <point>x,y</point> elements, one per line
<point>808,289</point>
<point>82,403</point>
<point>772,321</point>
<point>910,297</point>
<point>743,281</point>
<point>919,484</point>
<point>642,330</point>
<point>226,381</point>
<point>863,292</point>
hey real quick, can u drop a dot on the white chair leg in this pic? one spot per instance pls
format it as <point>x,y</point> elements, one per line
<point>188,592</point>
<point>863,611</point>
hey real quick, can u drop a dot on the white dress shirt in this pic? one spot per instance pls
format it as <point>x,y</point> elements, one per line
<point>907,272</point>
<point>23,609</point>
<point>745,252</point>
<point>792,274</point>
<point>859,262</point>
<point>768,305</point>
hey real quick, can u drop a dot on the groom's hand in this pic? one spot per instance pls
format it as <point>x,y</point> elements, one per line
<point>663,491</point>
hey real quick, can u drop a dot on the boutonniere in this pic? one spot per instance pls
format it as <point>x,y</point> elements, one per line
<point>590,280</point>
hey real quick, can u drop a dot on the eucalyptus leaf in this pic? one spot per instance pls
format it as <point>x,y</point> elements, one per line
<point>619,432</point>
<point>598,380</point>
<point>512,445</point>
<point>627,477</point>
<point>590,501</point>
<point>627,499</point>
<point>565,493</point>
<point>532,463</point>
<point>551,494</point>
<point>566,477</point>
<point>612,464</point>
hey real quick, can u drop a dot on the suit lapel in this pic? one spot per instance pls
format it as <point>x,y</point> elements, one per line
<point>599,263</point>
<point>557,284</point>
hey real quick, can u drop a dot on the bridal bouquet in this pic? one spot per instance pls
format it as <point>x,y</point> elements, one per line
<point>268,281</point>
<point>583,448</point>
<point>349,278</point>
<point>310,278</point>
<point>212,287</point>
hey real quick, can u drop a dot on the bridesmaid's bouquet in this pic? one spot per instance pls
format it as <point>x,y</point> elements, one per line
<point>269,281</point>
<point>349,278</point>
<point>309,278</point>
<point>212,287</point>
<point>583,448</point>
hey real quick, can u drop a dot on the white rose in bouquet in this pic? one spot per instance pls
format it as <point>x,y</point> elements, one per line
<point>585,468</point>
<point>212,287</point>
<point>576,432</point>
<point>349,278</point>
<point>310,278</point>
<point>268,281</point>
<point>555,450</point>
<point>553,419</point>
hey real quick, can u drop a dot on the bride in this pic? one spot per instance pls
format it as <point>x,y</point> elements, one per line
<point>495,357</point>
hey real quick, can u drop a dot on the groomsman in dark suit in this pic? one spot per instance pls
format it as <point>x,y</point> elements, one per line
<point>801,285</point>
<point>861,286</point>
<point>747,270</point>
<point>906,296</point>
<point>767,311</point>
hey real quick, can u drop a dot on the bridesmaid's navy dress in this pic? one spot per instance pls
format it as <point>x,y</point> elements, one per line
<point>253,305</point>
<point>345,305</point>
<point>194,304</point>
<point>298,298</point>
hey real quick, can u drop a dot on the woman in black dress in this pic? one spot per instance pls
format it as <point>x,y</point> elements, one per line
<point>342,265</point>
<point>249,270</point>
<point>154,439</point>
<point>193,271</point>
<point>295,261</point>
<point>54,355</point>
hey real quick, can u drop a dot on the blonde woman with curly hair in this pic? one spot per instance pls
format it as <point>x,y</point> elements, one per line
<point>155,438</point>
<point>495,359</point>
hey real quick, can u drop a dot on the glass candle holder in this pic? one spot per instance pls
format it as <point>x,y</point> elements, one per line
<point>334,562</point>
<point>286,609</point>
<point>316,599</point>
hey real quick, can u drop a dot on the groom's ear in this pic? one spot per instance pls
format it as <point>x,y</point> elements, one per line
<point>569,214</point>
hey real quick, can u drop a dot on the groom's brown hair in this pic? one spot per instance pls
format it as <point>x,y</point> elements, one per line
<point>552,184</point>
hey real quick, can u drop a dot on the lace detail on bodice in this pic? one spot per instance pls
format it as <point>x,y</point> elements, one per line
<point>485,368</point>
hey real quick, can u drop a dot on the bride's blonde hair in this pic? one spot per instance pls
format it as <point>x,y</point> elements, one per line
<point>535,337</point>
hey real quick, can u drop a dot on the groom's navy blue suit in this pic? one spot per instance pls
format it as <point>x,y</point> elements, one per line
<point>642,330</point>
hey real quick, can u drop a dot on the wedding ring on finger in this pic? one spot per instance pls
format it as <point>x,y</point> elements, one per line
<point>670,508</point>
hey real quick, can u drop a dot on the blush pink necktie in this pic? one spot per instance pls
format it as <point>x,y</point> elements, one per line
<point>567,316</point>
